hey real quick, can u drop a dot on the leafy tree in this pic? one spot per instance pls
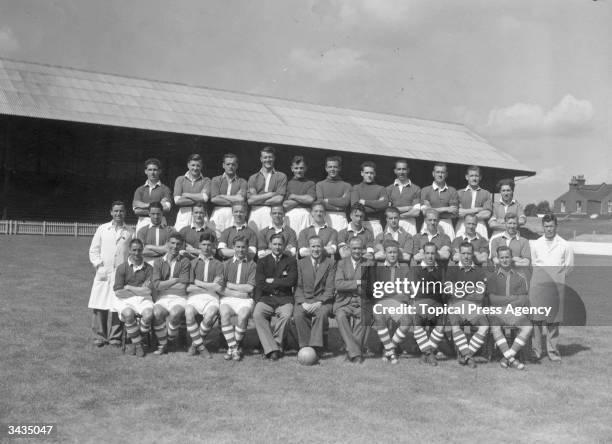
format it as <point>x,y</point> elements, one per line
<point>530,210</point>
<point>543,207</point>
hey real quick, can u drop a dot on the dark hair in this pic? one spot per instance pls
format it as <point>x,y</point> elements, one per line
<point>156,205</point>
<point>368,163</point>
<point>313,237</point>
<point>298,159</point>
<point>472,168</point>
<point>430,244</point>
<point>466,245</point>
<point>503,248</point>
<point>470,215</point>
<point>177,236</point>
<point>403,160</point>
<point>358,207</point>
<point>390,243</point>
<point>391,210</point>
<point>317,203</point>
<point>241,238</point>
<point>117,203</point>
<point>549,217</point>
<point>195,157</point>
<point>277,236</point>
<point>268,149</point>
<point>502,182</point>
<point>208,236</point>
<point>510,216</point>
<point>440,164</point>
<point>199,205</point>
<point>136,241</point>
<point>356,239</point>
<point>334,159</point>
<point>152,161</point>
<point>230,155</point>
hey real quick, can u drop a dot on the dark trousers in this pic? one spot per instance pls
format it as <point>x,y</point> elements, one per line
<point>106,325</point>
<point>311,327</point>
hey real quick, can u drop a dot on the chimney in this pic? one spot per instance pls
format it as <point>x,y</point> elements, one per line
<point>573,183</point>
<point>580,180</point>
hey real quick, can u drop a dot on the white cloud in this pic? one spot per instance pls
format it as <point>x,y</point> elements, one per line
<point>327,65</point>
<point>8,41</point>
<point>569,116</point>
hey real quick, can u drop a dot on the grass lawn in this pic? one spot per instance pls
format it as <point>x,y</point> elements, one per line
<point>52,373</point>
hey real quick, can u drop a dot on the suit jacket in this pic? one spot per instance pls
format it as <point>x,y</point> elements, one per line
<point>345,281</point>
<point>285,276</point>
<point>313,287</point>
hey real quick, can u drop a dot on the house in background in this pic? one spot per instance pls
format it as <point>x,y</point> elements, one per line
<point>585,199</point>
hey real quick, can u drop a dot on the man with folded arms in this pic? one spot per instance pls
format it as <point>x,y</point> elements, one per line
<point>301,193</point>
<point>319,228</point>
<point>278,226</point>
<point>155,234</point>
<point>267,187</point>
<point>356,229</point>
<point>394,231</point>
<point>480,244</point>
<point>226,190</point>
<point>372,196</point>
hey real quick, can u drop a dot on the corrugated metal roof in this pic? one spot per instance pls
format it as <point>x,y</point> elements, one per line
<point>52,92</point>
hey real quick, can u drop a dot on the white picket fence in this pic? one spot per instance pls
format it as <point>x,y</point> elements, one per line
<point>74,229</point>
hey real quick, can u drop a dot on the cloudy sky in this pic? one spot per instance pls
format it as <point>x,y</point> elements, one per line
<point>533,77</point>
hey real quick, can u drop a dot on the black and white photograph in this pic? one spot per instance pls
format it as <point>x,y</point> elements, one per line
<point>305,221</point>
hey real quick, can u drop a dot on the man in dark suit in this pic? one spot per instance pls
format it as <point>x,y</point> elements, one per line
<point>275,276</point>
<point>348,303</point>
<point>313,295</point>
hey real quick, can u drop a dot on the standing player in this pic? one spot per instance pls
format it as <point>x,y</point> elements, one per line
<point>278,226</point>
<point>169,282</point>
<point>467,302</point>
<point>553,259</point>
<point>430,295</point>
<point>372,196</point>
<point>238,228</point>
<point>267,187</point>
<point>356,229</point>
<point>191,233</point>
<point>394,231</point>
<point>334,193</point>
<point>474,200</point>
<point>275,277</point>
<point>506,204</point>
<point>314,294</point>
<point>507,286</point>
<point>236,297</point>
<point>348,305</point>
<point>405,196</point>
<point>133,295</point>
<point>190,189</point>
<point>442,198</point>
<point>152,191</point>
<point>226,190</point>
<point>480,244</point>
<point>154,235</point>
<point>301,194</point>
<point>108,250</point>
<point>205,279</point>
<point>319,228</point>
<point>519,246</point>
<point>392,308</point>
<point>431,234</point>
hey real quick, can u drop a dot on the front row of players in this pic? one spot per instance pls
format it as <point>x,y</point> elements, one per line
<point>237,288</point>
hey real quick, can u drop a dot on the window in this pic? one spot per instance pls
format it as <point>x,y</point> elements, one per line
<point>610,206</point>
<point>563,206</point>
<point>578,206</point>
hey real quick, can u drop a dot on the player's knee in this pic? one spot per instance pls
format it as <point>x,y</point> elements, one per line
<point>210,316</point>
<point>159,313</point>
<point>147,316</point>
<point>175,315</point>
<point>190,314</point>
<point>128,315</point>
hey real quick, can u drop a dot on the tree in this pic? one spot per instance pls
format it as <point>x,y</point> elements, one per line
<point>543,207</point>
<point>530,210</point>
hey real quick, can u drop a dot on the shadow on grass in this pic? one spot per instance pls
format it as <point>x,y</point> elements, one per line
<point>572,349</point>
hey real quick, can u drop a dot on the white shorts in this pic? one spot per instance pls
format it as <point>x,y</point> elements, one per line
<point>409,225</point>
<point>299,218</point>
<point>336,220</point>
<point>183,218</point>
<point>237,304</point>
<point>260,217</point>
<point>445,225</point>
<point>203,302</point>
<point>169,301</point>
<point>222,218</point>
<point>136,303</point>
<point>481,229</point>
<point>374,226</point>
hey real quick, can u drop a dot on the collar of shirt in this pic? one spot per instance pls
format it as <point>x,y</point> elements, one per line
<point>423,264</point>
<point>500,271</point>
<point>336,179</point>
<point>466,237</point>
<point>501,201</point>
<point>277,230</point>
<point>505,235</point>
<point>429,235</point>
<point>240,227</point>
<point>204,258</point>
<point>466,267</point>
<point>235,259</point>
<point>388,230</point>
<point>316,262</point>
<point>162,225</point>
<point>275,257</point>
<point>263,173</point>
<point>314,225</point>
<point>196,228</point>
<point>134,266</point>
<point>112,226</point>
<point>188,176</point>
<point>397,183</point>
<point>151,185</point>
<point>169,259</point>
<point>354,262</point>
<point>387,264</point>
<point>438,188</point>
<point>351,229</point>
<point>469,188</point>
<point>230,180</point>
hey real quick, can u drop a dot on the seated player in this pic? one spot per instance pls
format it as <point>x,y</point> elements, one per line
<point>133,295</point>
<point>442,198</point>
<point>405,196</point>
<point>205,281</point>
<point>519,246</point>
<point>169,282</point>
<point>372,196</point>
<point>506,204</point>
<point>431,234</point>
<point>236,297</point>
<point>154,235</point>
<point>191,233</point>
<point>314,294</point>
<point>348,303</point>
<point>430,295</point>
<point>334,193</point>
<point>301,194</point>
<point>394,231</point>
<point>190,189</point>
<point>153,190</point>
<point>356,229</point>
<point>475,201</point>
<point>319,227</point>
<point>391,309</point>
<point>275,277</point>
<point>238,228</point>
<point>267,187</point>
<point>507,286</point>
<point>462,274</point>
<point>226,190</point>
<point>278,227</point>
<point>479,243</point>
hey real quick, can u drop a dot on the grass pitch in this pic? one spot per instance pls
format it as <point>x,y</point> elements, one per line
<point>52,373</point>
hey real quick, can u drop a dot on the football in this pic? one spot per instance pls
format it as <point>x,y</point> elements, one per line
<point>307,356</point>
